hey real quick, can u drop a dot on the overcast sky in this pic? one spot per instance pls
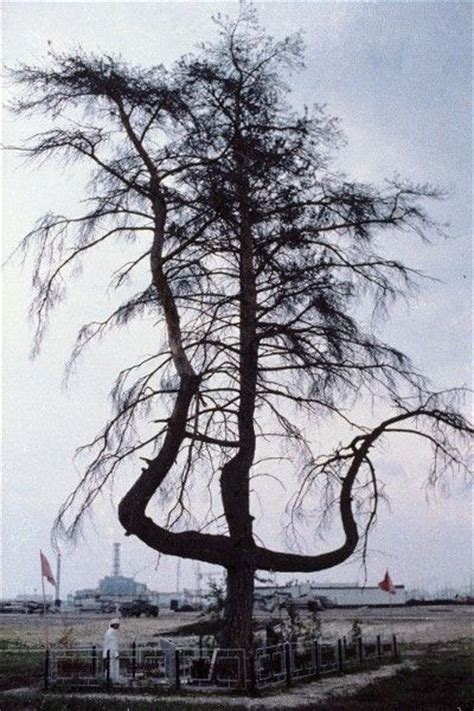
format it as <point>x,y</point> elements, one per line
<point>399,77</point>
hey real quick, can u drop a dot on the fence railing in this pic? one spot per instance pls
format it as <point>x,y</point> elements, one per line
<point>172,666</point>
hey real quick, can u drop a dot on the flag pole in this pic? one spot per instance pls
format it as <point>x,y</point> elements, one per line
<point>391,612</point>
<point>46,625</point>
<point>387,585</point>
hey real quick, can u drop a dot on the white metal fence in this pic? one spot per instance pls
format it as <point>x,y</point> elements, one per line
<point>172,666</point>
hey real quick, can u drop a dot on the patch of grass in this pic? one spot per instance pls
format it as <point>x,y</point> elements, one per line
<point>20,666</point>
<point>441,682</point>
<point>64,703</point>
<point>11,644</point>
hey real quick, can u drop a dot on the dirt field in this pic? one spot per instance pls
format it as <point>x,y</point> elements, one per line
<point>435,668</point>
<point>411,625</point>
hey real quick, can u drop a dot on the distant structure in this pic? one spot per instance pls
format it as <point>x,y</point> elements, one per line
<point>120,586</point>
<point>116,563</point>
<point>115,588</point>
<point>341,594</point>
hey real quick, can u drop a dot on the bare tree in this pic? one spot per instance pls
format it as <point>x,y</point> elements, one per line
<point>263,262</point>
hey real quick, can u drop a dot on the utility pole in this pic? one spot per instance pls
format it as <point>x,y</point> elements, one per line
<point>198,579</point>
<point>116,562</point>
<point>178,576</point>
<point>58,579</point>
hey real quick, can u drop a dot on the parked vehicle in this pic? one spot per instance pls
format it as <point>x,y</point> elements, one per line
<point>315,605</point>
<point>108,607</point>
<point>88,606</point>
<point>33,607</point>
<point>9,607</point>
<point>326,602</point>
<point>301,603</point>
<point>137,608</point>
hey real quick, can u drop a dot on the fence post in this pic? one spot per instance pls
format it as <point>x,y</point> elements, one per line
<point>134,659</point>
<point>46,669</point>
<point>177,678</point>
<point>340,655</point>
<point>252,672</point>
<point>360,650</point>
<point>317,665</point>
<point>288,663</point>
<point>107,668</point>
<point>379,647</point>
<point>395,646</point>
<point>94,661</point>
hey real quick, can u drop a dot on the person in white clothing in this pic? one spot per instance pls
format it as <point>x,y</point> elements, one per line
<point>111,644</point>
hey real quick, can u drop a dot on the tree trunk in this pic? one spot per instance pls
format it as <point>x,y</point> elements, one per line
<point>238,608</point>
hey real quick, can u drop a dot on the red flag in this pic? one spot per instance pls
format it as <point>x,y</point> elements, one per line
<point>387,585</point>
<point>46,569</point>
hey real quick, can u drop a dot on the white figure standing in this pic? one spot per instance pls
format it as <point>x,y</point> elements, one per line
<point>111,644</point>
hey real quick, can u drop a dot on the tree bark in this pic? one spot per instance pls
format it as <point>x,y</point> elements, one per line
<point>238,608</point>
<point>235,483</point>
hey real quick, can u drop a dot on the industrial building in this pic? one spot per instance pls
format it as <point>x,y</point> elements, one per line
<point>114,588</point>
<point>356,596</point>
<point>341,594</point>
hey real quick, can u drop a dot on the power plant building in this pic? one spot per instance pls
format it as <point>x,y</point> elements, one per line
<point>121,586</point>
<point>113,588</point>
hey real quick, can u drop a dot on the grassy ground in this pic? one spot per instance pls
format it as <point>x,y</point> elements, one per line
<point>63,704</point>
<point>441,682</point>
<point>19,666</point>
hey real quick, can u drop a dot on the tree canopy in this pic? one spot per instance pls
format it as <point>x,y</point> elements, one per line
<point>263,262</point>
